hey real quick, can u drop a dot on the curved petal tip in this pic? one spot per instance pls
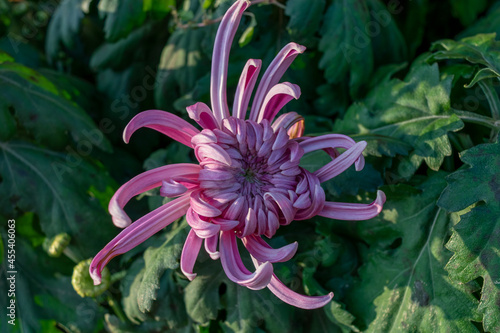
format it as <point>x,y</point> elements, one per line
<point>300,301</point>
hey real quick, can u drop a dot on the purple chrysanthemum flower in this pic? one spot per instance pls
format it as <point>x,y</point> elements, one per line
<point>248,182</point>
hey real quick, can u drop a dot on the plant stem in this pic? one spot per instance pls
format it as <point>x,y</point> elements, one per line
<point>494,102</point>
<point>492,97</point>
<point>271,2</point>
<point>71,255</point>
<point>116,308</point>
<point>117,276</point>
<point>478,119</point>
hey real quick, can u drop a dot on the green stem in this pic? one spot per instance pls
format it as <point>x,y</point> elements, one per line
<point>478,119</point>
<point>116,308</point>
<point>270,2</point>
<point>71,255</point>
<point>117,276</point>
<point>492,97</point>
<point>494,102</point>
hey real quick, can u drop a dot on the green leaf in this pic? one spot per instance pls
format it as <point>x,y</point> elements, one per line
<point>411,18</point>
<point>305,18</point>
<point>356,35</point>
<point>44,111</point>
<point>347,50</point>
<point>338,315</point>
<point>181,65</point>
<point>120,17</point>
<point>7,124</point>
<point>129,287</point>
<point>467,10</point>
<point>415,111</point>
<point>388,43</point>
<point>64,28</point>
<point>157,261</point>
<point>247,310</point>
<point>331,100</point>
<point>119,54</point>
<point>56,187</point>
<point>481,49</point>
<point>78,90</point>
<point>487,24</point>
<point>149,289</point>
<point>485,73</point>
<point>25,226</point>
<point>175,153</point>
<point>159,8</point>
<point>202,294</point>
<point>247,35</point>
<point>403,286</point>
<point>476,238</point>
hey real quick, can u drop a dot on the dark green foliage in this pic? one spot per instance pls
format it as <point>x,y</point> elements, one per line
<point>417,80</point>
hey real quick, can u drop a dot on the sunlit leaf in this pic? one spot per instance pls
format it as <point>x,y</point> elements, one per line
<point>181,65</point>
<point>476,238</point>
<point>404,287</point>
<point>415,111</point>
<point>44,111</point>
<point>481,49</point>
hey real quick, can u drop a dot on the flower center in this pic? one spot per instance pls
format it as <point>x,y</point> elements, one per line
<point>250,174</point>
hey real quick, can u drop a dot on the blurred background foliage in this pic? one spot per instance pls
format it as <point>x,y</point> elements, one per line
<point>418,80</point>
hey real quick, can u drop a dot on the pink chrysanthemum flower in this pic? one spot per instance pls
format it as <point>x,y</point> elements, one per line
<point>248,182</point>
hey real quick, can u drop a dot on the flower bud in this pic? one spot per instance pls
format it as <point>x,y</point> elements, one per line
<point>55,246</point>
<point>83,283</point>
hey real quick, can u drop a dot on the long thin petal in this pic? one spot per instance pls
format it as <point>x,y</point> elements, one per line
<point>353,211</point>
<point>245,87</point>
<point>164,122</point>
<point>234,268</point>
<point>326,141</point>
<point>222,46</point>
<point>211,247</point>
<point>283,203</point>
<point>138,232</point>
<point>300,301</point>
<point>202,207</point>
<point>190,252</point>
<point>203,229</point>
<point>292,122</point>
<point>341,163</point>
<point>297,129</point>
<point>277,97</point>
<point>262,251</point>
<point>274,73</point>
<point>214,152</point>
<point>329,142</point>
<point>201,113</point>
<point>225,225</point>
<point>142,183</point>
<point>172,188</point>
